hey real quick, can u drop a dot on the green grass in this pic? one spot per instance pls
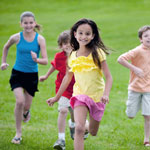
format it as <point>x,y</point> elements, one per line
<point>119,21</point>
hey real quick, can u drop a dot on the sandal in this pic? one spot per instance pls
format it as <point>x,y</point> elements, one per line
<point>147,144</point>
<point>16,140</point>
<point>27,116</point>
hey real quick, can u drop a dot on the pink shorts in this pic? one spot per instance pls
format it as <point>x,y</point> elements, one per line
<point>96,110</point>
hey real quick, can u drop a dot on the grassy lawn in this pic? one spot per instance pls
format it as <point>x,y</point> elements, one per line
<point>119,21</point>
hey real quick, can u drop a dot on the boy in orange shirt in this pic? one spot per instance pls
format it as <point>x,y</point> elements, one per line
<point>139,85</point>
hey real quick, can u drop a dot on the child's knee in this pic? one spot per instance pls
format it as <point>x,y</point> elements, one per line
<point>93,132</point>
<point>147,118</point>
<point>63,111</point>
<point>19,104</point>
<point>130,114</point>
<point>79,129</point>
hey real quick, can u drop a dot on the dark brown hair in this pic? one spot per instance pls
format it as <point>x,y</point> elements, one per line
<point>95,43</point>
<point>64,37</point>
<point>142,30</point>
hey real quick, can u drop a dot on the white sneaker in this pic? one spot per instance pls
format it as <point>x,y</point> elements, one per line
<point>72,129</point>
<point>59,144</point>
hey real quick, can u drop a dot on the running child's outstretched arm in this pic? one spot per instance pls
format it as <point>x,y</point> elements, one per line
<point>12,40</point>
<point>50,71</point>
<point>139,72</point>
<point>65,82</point>
<point>108,84</point>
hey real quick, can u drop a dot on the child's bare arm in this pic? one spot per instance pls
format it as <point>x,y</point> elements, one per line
<point>12,40</point>
<point>139,72</point>
<point>50,71</point>
<point>65,82</point>
<point>42,44</point>
<point>108,84</point>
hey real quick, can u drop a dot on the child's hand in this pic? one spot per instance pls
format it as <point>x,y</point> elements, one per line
<point>42,78</point>
<point>139,72</point>
<point>4,66</point>
<point>105,99</point>
<point>34,56</point>
<point>51,101</point>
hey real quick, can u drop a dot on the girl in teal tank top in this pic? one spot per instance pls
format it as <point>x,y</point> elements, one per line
<point>24,77</point>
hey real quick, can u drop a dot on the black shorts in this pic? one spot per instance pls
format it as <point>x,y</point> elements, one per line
<point>28,81</point>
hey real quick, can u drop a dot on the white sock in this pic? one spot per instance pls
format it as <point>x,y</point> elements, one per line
<point>71,124</point>
<point>61,136</point>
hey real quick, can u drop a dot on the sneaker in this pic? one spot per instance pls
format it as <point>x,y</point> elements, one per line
<point>72,129</point>
<point>86,134</point>
<point>59,144</point>
<point>27,116</point>
<point>147,144</point>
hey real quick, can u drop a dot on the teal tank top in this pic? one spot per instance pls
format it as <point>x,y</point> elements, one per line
<point>24,61</point>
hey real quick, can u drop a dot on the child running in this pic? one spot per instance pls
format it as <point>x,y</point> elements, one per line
<point>59,64</point>
<point>90,93</point>
<point>139,85</point>
<point>24,76</point>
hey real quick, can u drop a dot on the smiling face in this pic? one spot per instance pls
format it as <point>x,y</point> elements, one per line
<point>66,47</point>
<point>84,34</point>
<point>28,23</point>
<point>145,39</point>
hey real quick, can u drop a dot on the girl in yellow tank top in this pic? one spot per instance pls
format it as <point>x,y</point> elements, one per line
<point>90,93</point>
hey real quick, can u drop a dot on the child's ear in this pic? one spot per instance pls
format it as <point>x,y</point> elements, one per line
<point>20,24</point>
<point>35,23</point>
<point>59,46</point>
<point>93,36</point>
<point>141,40</point>
<point>75,34</point>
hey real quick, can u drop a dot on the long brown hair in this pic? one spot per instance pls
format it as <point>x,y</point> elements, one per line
<point>95,43</point>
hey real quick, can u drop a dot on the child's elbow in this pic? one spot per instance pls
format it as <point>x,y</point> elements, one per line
<point>111,79</point>
<point>119,60</point>
<point>46,61</point>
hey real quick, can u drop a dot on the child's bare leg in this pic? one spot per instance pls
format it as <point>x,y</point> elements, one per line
<point>93,126</point>
<point>62,122</point>
<point>28,101</point>
<point>147,128</point>
<point>80,115</point>
<point>71,114</point>
<point>19,109</point>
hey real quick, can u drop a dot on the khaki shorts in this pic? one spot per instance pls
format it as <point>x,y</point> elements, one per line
<point>63,103</point>
<point>137,101</point>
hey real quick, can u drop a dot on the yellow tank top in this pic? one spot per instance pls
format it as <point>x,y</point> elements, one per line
<point>88,77</point>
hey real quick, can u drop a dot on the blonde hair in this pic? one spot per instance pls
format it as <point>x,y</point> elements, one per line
<point>30,14</point>
<point>142,30</point>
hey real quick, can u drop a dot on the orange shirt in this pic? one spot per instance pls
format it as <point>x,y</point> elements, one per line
<point>139,57</point>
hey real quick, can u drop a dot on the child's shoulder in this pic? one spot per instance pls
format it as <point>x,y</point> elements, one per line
<point>101,54</point>
<point>40,37</point>
<point>136,49</point>
<point>15,37</point>
<point>59,55</point>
